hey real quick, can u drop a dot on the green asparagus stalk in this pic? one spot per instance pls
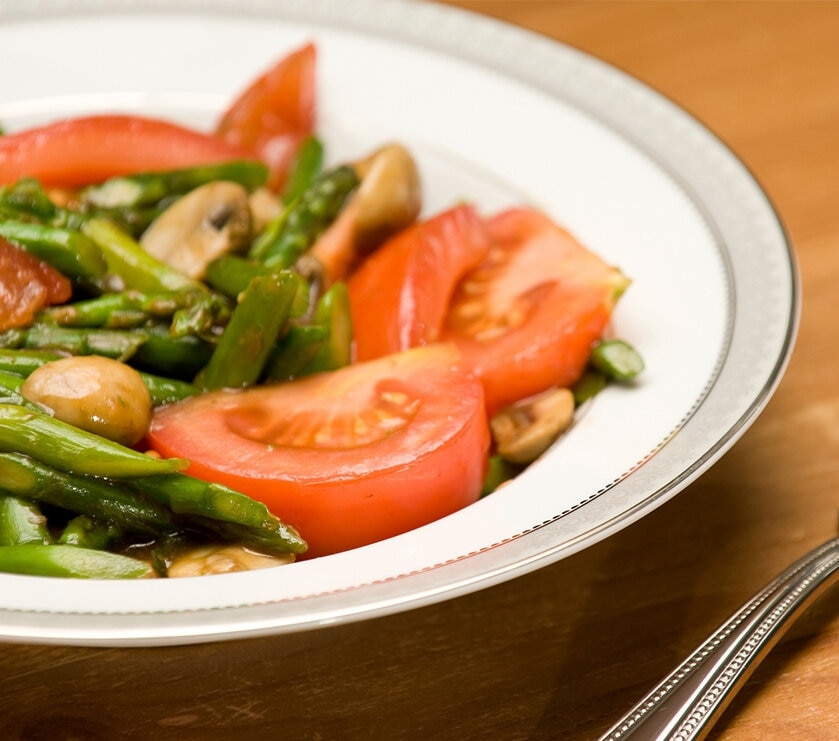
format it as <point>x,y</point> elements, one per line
<point>32,480</point>
<point>305,169</point>
<point>173,357</point>
<point>616,359</point>
<point>135,267</point>
<point>23,362</point>
<point>87,532</point>
<point>333,313</point>
<point>69,561</point>
<point>70,449</point>
<point>146,189</point>
<point>231,274</point>
<point>191,311</point>
<point>323,344</point>
<point>231,514</point>
<point>305,219</point>
<point>295,351</point>
<point>21,522</point>
<point>112,343</point>
<point>70,252</point>
<point>167,390</point>
<point>101,311</point>
<point>26,200</point>
<point>254,327</point>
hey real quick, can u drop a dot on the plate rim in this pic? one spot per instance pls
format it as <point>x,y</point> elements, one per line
<point>583,525</point>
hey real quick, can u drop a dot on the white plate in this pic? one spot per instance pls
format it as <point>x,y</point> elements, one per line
<point>499,116</point>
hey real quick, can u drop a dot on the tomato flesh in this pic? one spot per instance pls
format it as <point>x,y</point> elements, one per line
<point>400,295</point>
<point>90,149</point>
<point>348,457</point>
<point>520,297</point>
<point>26,285</point>
<point>275,113</point>
<point>526,318</point>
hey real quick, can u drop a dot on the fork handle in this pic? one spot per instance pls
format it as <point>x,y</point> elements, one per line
<point>686,704</point>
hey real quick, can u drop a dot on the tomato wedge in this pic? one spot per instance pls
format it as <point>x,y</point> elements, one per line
<point>26,285</point>
<point>400,295</point>
<point>524,317</point>
<point>90,149</point>
<point>527,317</point>
<point>275,113</point>
<point>348,457</point>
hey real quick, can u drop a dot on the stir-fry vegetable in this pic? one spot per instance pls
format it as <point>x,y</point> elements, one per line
<point>221,351</point>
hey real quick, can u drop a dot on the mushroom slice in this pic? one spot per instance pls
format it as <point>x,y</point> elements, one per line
<point>525,430</point>
<point>210,221</point>
<point>265,206</point>
<point>217,559</point>
<point>389,197</point>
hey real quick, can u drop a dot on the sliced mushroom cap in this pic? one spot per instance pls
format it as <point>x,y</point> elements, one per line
<point>208,222</point>
<point>389,197</point>
<point>523,431</point>
<point>265,206</point>
<point>226,559</point>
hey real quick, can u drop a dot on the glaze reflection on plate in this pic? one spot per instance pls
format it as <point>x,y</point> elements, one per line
<point>713,307</point>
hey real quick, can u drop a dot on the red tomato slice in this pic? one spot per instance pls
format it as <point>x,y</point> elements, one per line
<point>275,113</point>
<point>348,457</point>
<point>400,295</point>
<point>524,318</point>
<point>26,285</point>
<point>90,149</point>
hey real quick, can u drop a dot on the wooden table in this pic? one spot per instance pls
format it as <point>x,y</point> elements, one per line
<point>562,652</point>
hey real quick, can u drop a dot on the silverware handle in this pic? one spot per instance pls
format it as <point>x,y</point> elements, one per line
<point>686,704</point>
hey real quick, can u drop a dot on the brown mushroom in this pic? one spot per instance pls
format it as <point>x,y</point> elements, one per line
<point>94,393</point>
<point>210,221</point>
<point>525,430</point>
<point>388,199</point>
<point>222,559</point>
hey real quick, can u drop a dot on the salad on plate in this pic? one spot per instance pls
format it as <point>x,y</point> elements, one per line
<point>220,351</point>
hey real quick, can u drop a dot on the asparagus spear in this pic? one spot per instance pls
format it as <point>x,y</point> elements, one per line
<point>305,168</point>
<point>175,357</point>
<point>70,449</point>
<point>88,532</point>
<point>23,362</point>
<point>158,506</point>
<point>112,343</point>
<point>323,344</point>
<point>332,312</point>
<point>70,252</point>
<point>149,188</point>
<point>616,359</point>
<point>30,479</point>
<point>254,327</point>
<point>191,311</point>
<point>231,274</point>
<point>167,390</point>
<point>69,561</point>
<point>295,351</point>
<point>135,267</point>
<point>21,522</point>
<point>305,218</point>
<point>231,514</point>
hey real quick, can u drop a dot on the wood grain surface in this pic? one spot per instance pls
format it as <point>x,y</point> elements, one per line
<point>563,652</point>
